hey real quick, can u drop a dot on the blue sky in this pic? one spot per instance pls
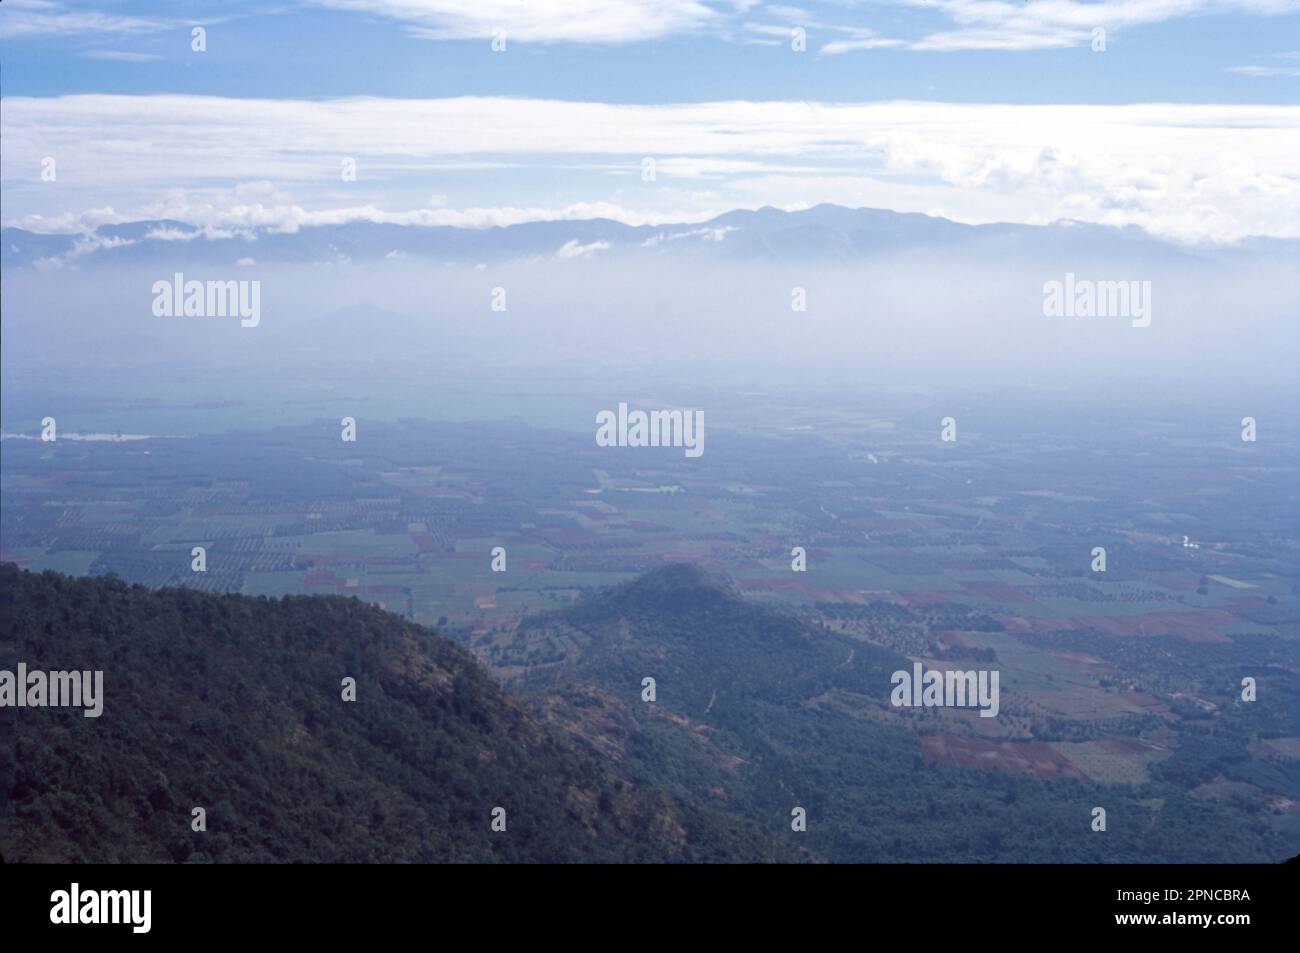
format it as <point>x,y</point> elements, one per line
<point>1217,80</point>
<point>1213,52</point>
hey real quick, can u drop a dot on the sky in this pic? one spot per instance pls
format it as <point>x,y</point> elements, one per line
<point>1182,117</point>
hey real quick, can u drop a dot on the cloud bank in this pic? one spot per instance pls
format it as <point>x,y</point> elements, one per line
<point>1188,172</point>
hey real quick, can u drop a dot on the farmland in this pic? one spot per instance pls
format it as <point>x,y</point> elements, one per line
<point>950,555</point>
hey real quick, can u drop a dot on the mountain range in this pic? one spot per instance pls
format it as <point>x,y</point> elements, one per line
<point>826,233</point>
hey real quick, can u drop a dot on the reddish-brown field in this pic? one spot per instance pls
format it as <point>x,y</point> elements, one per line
<point>997,591</point>
<point>1206,625</point>
<point>923,597</point>
<point>1177,581</point>
<point>1021,757</point>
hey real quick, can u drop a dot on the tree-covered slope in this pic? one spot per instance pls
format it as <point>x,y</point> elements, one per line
<point>235,705</point>
<point>760,713</point>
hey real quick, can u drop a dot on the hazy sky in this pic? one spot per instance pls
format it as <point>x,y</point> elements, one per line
<point>1186,124</point>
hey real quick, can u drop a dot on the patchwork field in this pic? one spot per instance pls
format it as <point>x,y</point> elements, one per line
<point>1112,677</point>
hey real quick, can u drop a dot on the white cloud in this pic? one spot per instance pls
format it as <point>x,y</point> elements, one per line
<point>1008,25</point>
<point>973,24</point>
<point>544,21</point>
<point>121,56</point>
<point>778,34</point>
<point>787,13</point>
<point>25,18</point>
<point>708,234</point>
<point>236,213</point>
<point>1015,25</point>
<point>571,249</point>
<point>1196,172</point>
<point>1265,70</point>
<point>84,245</point>
<point>708,168</point>
<point>862,43</point>
<point>970,24</point>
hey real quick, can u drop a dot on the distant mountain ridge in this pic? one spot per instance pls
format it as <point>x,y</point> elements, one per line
<point>824,232</point>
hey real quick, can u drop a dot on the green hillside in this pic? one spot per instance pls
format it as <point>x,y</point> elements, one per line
<point>758,713</point>
<point>234,704</point>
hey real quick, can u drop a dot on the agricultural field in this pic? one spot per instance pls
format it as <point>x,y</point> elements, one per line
<point>958,562</point>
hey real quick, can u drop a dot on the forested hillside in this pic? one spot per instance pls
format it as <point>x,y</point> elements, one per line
<point>762,713</point>
<point>235,705</point>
